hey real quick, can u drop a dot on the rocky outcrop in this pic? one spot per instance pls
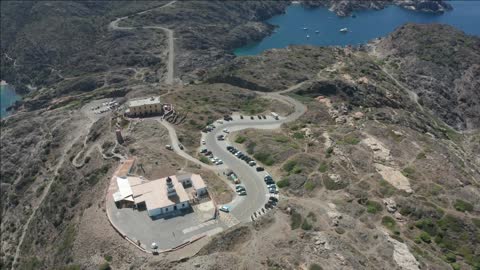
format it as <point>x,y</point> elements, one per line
<point>346,7</point>
<point>441,65</point>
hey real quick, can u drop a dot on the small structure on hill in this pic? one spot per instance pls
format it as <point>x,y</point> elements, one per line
<point>144,107</point>
<point>162,196</point>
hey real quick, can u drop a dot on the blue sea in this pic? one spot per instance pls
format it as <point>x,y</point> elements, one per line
<point>7,98</point>
<point>365,26</point>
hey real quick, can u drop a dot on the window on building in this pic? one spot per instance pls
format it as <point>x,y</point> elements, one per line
<point>166,209</point>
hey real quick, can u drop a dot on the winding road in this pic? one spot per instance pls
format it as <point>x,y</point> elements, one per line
<point>169,79</point>
<point>257,193</point>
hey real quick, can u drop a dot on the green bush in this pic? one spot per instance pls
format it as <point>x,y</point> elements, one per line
<point>329,152</point>
<point>265,158</point>
<point>283,183</point>
<point>107,258</point>
<point>315,266</point>
<point>204,160</point>
<point>389,223</point>
<point>408,171</point>
<point>281,139</point>
<point>240,139</point>
<point>427,225</point>
<point>323,167</point>
<point>476,221</point>
<point>306,226</point>
<point>450,257</point>
<point>309,185</point>
<point>421,155</point>
<point>463,206</point>
<point>456,266</point>
<point>386,189</point>
<point>295,220</point>
<point>373,207</point>
<point>299,135</point>
<point>349,139</point>
<point>251,148</point>
<point>332,185</point>
<point>289,165</point>
<point>425,237</point>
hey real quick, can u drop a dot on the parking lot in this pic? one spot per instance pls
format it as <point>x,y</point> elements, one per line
<point>253,191</point>
<point>166,232</point>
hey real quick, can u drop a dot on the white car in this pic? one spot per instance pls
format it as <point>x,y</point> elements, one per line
<point>219,162</point>
<point>226,130</point>
<point>203,142</point>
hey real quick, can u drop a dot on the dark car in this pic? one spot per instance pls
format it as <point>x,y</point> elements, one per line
<point>241,116</point>
<point>229,147</point>
<point>260,117</point>
<point>204,150</point>
<point>264,117</point>
<point>260,169</point>
<point>251,117</point>
<point>208,153</point>
<point>273,199</point>
<point>268,177</point>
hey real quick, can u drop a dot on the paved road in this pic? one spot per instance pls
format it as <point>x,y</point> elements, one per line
<point>171,48</point>
<point>251,179</point>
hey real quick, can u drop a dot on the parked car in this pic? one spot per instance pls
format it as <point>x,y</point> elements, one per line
<point>273,199</point>
<point>251,117</point>
<point>260,169</point>
<point>169,147</point>
<point>225,208</point>
<point>260,117</point>
<point>241,116</point>
<point>226,130</point>
<point>203,142</point>
<point>219,162</point>
<point>180,146</point>
<point>229,147</point>
<point>204,150</point>
<point>242,193</point>
<point>239,187</point>
<point>264,117</point>
<point>252,163</point>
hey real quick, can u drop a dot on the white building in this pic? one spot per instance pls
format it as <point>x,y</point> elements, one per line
<point>161,196</point>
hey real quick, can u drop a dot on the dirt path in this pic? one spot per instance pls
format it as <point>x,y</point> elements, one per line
<point>169,79</point>
<point>84,130</point>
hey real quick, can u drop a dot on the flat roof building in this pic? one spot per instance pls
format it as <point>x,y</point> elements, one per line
<point>161,196</point>
<point>146,106</point>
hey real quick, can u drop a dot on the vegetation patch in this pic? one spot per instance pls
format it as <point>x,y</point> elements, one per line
<point>331,184</point>
<point>315,266</point>
<point>240,139</point>
<point>463,206</point>
<point>389,223</point>
<point>349,140</point>
<point>373,207</point>
<point>204,160</point>
<point>310,185</point>
<point>408,172</point>
<point>283,183</point>
<point>386,189</point>
<point>323,167</point>
<point>265,158</point>
<point>295,220</point>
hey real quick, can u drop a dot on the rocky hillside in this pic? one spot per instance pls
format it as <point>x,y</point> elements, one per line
<point>372,176</point>
<point>347,7</point>
<point>441,65</point>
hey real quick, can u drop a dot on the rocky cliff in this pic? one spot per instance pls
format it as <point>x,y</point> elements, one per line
<point>441,65</point>
<point>346,7</point>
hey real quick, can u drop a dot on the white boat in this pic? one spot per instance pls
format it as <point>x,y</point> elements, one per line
<point>305,28</point>
<point>308,36</point>
<point>316,31</point>
<point>344,30</point>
